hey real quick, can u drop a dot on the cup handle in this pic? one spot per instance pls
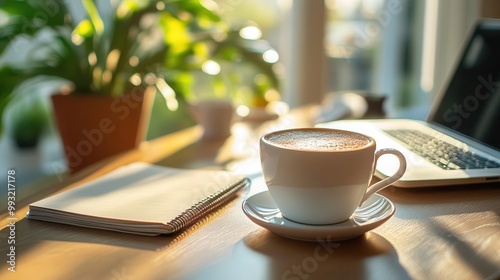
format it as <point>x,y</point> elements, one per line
<point>389,180</point>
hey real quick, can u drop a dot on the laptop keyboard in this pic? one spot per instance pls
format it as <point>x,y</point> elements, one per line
<point>439,152</point>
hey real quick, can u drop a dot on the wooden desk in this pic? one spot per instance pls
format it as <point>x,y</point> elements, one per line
<point>446,233</point>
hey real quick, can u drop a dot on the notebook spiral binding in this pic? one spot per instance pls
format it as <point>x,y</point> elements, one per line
<point>209,203</point>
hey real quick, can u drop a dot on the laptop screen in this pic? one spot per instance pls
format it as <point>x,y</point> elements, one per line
<point>471,101</point>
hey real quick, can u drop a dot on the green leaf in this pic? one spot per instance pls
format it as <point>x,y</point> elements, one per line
<point>3,104</point>
<point>127,8</point>
<point>95,18</point>
<point>176,34</point>
<point>84,29</point>
<point>26,18</point>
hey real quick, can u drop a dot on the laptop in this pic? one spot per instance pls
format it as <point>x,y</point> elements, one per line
<point>459,142</point>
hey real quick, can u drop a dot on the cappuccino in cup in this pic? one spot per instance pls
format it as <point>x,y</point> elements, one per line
<point>320,176</point>
<point>317,140</point>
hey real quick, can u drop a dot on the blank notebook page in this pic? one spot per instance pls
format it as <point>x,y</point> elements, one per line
<point>140,192</point>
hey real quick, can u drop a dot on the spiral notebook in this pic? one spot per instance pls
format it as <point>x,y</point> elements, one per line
<point>141,198</point>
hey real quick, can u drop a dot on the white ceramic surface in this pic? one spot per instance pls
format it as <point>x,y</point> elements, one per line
<point>262,210</point>
<point>215,116</point>
<point>321,186</point>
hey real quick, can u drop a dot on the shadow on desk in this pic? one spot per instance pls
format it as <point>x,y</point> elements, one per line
<point>48,231</point>
<point>465,251</point>
<point>33,232</point>
<point>439,201</point>
<point>281,258</point>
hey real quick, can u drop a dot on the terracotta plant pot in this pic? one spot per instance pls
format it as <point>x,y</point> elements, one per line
<point>95,127</point>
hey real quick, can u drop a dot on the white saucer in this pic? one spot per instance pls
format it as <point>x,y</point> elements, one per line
<point>262,210</point>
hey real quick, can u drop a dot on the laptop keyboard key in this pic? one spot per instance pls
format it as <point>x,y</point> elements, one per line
<point>441,153</point>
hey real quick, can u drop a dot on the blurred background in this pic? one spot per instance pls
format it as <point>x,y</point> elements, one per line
<point>399,50</point>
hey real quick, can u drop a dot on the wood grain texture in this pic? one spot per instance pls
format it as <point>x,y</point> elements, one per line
<point>444,233</point>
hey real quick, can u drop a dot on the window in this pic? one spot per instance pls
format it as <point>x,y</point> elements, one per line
<point>401,49</point>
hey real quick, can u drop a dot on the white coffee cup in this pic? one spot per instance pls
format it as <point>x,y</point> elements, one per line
<point>214,116</point>
<point>319,175</point>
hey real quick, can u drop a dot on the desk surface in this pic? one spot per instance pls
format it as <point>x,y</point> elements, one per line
<point>445,233</point>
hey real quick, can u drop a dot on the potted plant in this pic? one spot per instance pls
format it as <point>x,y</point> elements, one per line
<point>110,58</point>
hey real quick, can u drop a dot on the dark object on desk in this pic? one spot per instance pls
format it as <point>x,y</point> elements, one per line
<point>342,105</point>
<point>141,198</point>
<point>375,107</point>
<point>353,104</point>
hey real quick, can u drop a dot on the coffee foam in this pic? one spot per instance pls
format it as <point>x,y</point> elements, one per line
<point>318,140</point>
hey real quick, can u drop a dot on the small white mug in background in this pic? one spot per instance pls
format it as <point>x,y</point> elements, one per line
<point>320,176</point>
<point>215,117</point>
